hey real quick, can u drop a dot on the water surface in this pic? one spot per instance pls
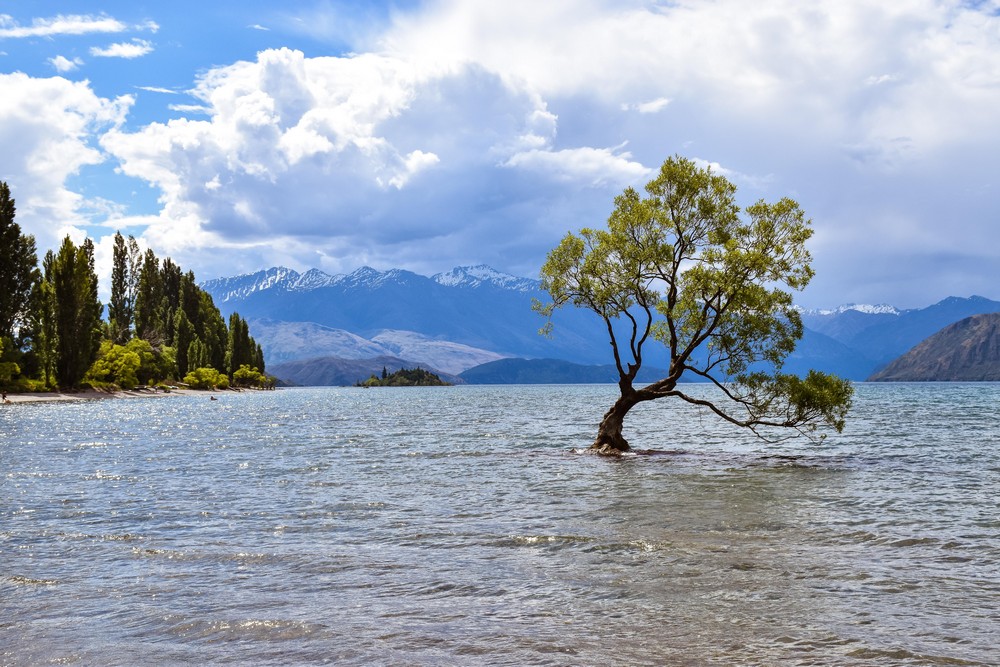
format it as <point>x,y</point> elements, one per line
<point>443,526</point>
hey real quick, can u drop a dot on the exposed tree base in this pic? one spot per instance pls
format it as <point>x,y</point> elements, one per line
<point>605,450</point>
<point>609,446</point>
<point>610,441</point>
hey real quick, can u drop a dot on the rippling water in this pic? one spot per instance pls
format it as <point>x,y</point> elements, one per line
<point>447,526</point>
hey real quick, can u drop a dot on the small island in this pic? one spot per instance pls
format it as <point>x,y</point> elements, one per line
<point>404,377</point>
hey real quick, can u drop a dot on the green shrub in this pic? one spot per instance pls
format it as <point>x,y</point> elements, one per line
<point>206,378</point>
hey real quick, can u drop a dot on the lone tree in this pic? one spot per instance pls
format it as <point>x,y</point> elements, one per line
<point>683,267</point>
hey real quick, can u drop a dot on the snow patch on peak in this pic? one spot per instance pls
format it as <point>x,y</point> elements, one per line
<point>277,276</point>
<point>868,309</point>
<point>224,289</point>
<point>366,275</point>
<point>313,279</point>
<point>475,276</point>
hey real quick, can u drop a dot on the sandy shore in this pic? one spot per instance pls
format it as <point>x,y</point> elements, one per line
<point>94,394</point>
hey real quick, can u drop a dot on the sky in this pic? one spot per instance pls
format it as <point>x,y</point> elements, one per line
<point>424,135</point>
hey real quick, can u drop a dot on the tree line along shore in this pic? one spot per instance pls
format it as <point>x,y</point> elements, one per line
<point>159,329</point>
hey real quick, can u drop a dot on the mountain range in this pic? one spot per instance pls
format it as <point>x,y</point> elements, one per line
<point>456,321</point>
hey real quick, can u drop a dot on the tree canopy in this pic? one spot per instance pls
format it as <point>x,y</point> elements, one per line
<point>685,267</point>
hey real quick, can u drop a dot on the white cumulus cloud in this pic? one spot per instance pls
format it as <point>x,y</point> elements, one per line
<point>46,127</point>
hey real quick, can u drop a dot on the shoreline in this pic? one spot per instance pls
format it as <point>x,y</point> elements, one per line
<point>96,394</point>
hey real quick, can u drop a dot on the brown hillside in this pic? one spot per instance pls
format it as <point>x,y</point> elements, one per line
<point>966,351</point>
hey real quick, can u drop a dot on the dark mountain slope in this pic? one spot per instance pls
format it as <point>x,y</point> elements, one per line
<point>968,350</point>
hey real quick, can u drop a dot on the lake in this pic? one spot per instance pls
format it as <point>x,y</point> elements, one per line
<point>458,526</point>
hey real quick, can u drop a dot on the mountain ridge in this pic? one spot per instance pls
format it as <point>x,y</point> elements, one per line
<point>489,312</point>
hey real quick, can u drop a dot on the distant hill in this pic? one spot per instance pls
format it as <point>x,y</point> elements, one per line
<point>291,341</point>
<point>968,350</point>
<point>336,372</point>
<point>405,377</point>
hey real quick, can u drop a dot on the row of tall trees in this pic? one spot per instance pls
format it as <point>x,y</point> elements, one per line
<point>160,325</point>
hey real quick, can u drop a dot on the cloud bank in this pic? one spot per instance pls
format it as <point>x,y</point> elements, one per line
<point>481,132</point>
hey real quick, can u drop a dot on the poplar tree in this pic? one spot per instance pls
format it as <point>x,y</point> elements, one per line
<point>183,336</point>
<point>125,270</point>
<point>149,293</point>
<point>242,348</point>
<point>77,311</point>
<point>43,322</point>
<point>18,268</point>
<point>213,332</point>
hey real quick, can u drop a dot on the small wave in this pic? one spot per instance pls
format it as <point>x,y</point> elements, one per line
<point>247,629</point>
<point>169,554</point>
<point>901,654</point>
<point>29,581</point>
<point>912,541</point>
<point>90,445</point>
<point>125,537</point>
<point>584,543</point>
<point>100,475</point>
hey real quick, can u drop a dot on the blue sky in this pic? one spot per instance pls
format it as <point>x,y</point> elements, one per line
<point>234,136</point>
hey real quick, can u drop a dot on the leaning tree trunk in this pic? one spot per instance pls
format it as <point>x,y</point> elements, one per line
<point>609,434</point>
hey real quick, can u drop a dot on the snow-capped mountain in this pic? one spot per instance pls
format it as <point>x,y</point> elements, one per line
<point>282,278</point>
<point>240,287</point>
<point>476,306</point>
<point>314,279</point>
<point>475,276</point>
<point>867,309</point>
<point>465,315</point>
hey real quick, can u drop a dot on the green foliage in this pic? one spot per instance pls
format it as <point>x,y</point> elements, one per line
<point>130,365</point>
<point>166,363</point>
<point>8,369</point>
<point>157,314</point>
<point>197,356</point>
<point>206,378</point>
<point>245,376</point>
<point>126,266</point>
<point>115,364</point>
<point>18,268</point>
<point>43,322</point>
<point>416,377</point>
<point>683,266</point>
<point>149,293</point>
<point>77,311</point>
<point>183,336</point>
